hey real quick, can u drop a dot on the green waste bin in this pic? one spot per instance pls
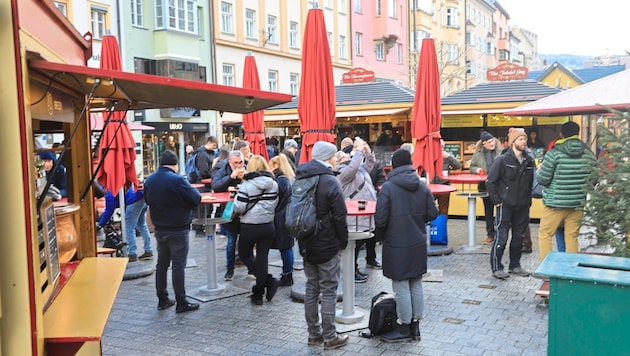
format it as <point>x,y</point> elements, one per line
<point>589,304</point>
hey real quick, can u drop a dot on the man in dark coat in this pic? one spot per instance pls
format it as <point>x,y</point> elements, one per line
<point>205,156</point>
<point>171,200</point>
<point>509,186</point>
<point>322,260</point>
<point>290,149</point>
<point>403,207</point>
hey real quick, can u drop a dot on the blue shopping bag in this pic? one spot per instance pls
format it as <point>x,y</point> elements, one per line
<point>439,235</point>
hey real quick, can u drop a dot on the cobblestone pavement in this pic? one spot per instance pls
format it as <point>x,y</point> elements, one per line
<point>468,313</point>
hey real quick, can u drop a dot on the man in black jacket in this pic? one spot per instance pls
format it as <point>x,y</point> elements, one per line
<point>171,200</point>
<point>205,156</point>
<point>322,261</point>
<point>509,186</point>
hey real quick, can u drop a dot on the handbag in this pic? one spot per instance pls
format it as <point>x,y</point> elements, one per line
<point>439,234</point>
<point>228,211</point>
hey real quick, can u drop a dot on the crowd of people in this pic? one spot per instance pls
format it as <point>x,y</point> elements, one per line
<point>404,205</point>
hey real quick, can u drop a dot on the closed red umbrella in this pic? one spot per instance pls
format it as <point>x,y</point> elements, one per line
<point>253,124</point>
<point>426,119</point>
<point>316,103</point>
<point>117,144</point>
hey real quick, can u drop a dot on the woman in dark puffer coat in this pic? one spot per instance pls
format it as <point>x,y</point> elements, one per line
<point>404,206</point>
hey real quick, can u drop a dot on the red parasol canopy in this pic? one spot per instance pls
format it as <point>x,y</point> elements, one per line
<point>118,168</point>
<point>426,119</point>
<point>253,124</point>
<point>316,103</point>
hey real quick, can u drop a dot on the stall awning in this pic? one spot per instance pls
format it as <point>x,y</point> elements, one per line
<point>339,114</point>
<point>612,91</point>
<point>133,91</point>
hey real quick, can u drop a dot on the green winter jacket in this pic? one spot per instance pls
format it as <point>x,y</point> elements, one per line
<point>563,173</point>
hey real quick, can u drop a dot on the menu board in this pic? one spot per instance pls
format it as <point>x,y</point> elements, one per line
<point>455,148</point>
<point>50,239</point>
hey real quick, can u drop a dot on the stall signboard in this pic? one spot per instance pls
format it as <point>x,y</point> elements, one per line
<point>357,75</point>
<point>462,121</point>
<point>455,148</point>
<point>508,121</point>
<point>558,120</point>
<point>507,71</point>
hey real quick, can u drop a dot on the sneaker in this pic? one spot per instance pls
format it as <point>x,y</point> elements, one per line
<point>251,276</point>
<point>520,271</point>
<point>165,304</point>
<point>186,307</point>
<point>360,278</point>
<point>361,273</point>
<point>315,341</point>
<point>146,255</point>
<point>489,240</point>
<point>526,250</point>
<point>229,275</point>
<point>374,264</point>
<point>500,274</point>
<point>339,341</point>
<point>286,280</point>
<point>133,258</point>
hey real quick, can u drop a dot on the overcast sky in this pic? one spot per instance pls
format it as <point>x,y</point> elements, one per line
<point>574,27</point>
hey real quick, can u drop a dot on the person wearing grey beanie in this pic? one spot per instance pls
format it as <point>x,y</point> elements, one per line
<point>322,150</point>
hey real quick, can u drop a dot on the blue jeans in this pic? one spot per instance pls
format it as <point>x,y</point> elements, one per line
<point>287,260</point>
<point>135,219</point>
<point>409,298</point>
<point>560,244</point>
<point>321,279</point>
<point>171,246</point>
<point>230,249</point>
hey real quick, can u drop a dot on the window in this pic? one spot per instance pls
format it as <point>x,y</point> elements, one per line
<point>328,4</point>
<point>357,6</point>
<point>98,22</point>
<point>399,53</point>
<point>226,17</point>
<point>425,6</point>
<point>342,6</point>
<point>250,23</point>
<point>181,15</point>
<point>380,51</point>
<point>378,8</point>
<point>294,83</point>
<point>228,74</point>
<point>452,19</point>
<point>358,45</point>
<point>419,36</point>
<point>391,8</point>
<point>342,47</point>
<point>272,30</point>
<point>272,77</point>
<point>137,17</point>
<point>452,54</point>
<point>61,6</point>
<point>294,36</point>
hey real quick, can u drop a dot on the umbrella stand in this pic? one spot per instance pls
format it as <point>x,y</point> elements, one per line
<point>66,145</point>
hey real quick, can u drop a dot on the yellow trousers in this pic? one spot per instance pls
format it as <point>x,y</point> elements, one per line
<point>551,219</point>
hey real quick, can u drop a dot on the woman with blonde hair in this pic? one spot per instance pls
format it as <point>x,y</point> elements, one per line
<point>283,240</point>
<point>256,202</point>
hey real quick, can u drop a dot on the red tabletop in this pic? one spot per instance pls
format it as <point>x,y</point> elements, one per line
<point>206,180</point>
<point>198,185</point>
<point>466,178</point>
<point>353,209</point>
<point>219,198</point>
<point>441,188</point>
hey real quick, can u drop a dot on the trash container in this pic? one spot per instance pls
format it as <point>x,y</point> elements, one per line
<point>589,304</point>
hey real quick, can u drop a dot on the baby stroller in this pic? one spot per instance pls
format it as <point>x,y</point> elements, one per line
<point>113,239</point>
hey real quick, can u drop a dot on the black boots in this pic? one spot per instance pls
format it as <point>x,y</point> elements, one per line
<point>271,285</point>
<point>257,295</point>
<point>401,333</point>
<point>286,280</point>
<point>414,327</point>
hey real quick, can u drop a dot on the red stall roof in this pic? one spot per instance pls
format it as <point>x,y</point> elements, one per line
<point>133,91</point>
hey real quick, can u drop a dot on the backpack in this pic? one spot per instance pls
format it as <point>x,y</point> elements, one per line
<point>537,189</point>
<point>301,214</point>
<point>382,315</point>
<point>192,172</point>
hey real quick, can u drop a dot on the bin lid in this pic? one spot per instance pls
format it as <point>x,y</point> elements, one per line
<point>587,268</point>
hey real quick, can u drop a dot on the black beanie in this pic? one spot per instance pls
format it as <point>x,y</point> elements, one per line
<point>401,157</point>
<point>569,129</point>
<point>169,158</point>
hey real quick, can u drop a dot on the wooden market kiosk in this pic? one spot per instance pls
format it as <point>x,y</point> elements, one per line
<point>45,306</point>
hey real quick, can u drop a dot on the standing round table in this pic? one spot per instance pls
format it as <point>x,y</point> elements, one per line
<point>469,179</point>
<point>348,314</point>
<point>208,199</point>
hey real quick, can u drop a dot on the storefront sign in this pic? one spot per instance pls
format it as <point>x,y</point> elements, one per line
<point>179,126</point>
<point>357,75</point>
<point>51,105</point>
<point>559,120</point>
<point>506,71</point>
<point>504,121</point>
<point>462,121</point>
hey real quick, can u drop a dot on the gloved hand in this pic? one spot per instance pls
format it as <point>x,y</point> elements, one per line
<point>54,193</point>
